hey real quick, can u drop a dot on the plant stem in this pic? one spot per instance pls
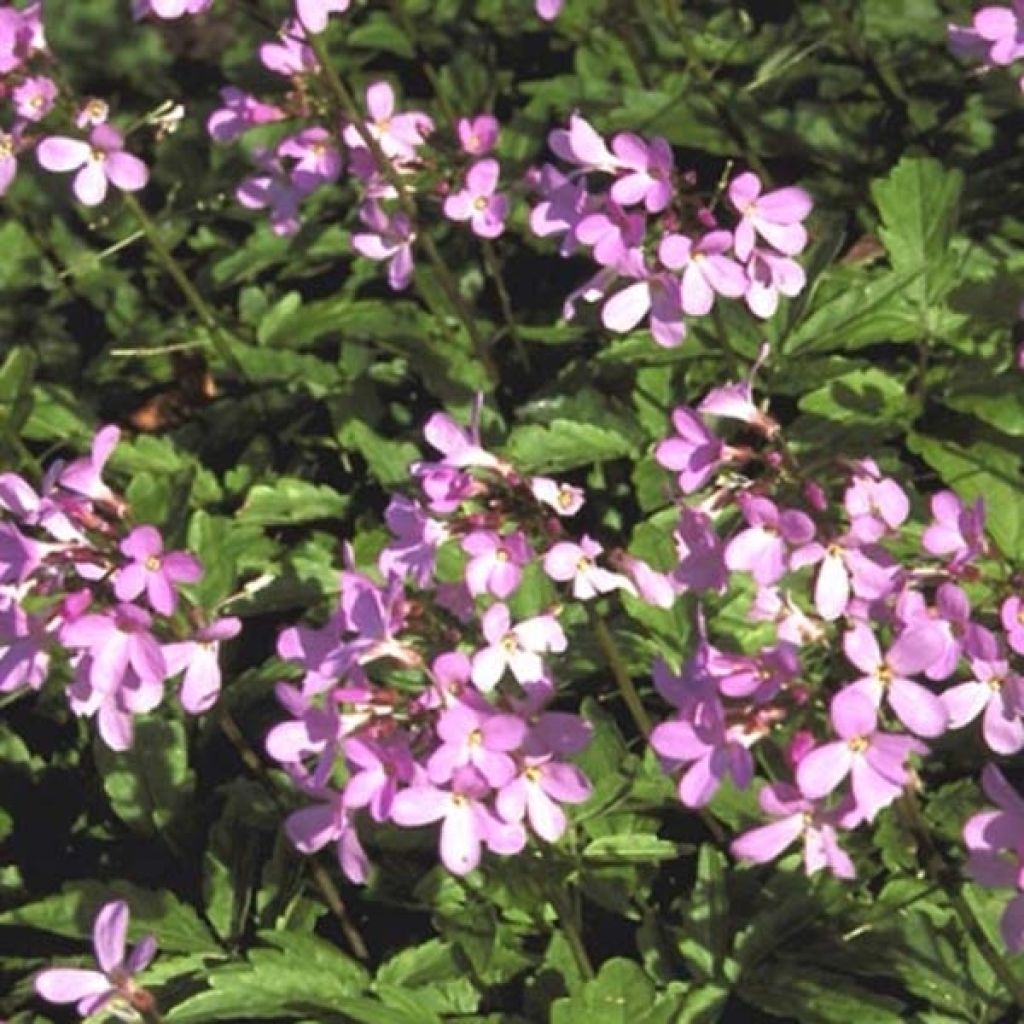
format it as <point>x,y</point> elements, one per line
<point>218,334</point>
<point>942,874</point>
<point>346,105</point>
<point>319,873</point>
<point>568,921</point>
<point>494,269</point>
<point>620,671</point>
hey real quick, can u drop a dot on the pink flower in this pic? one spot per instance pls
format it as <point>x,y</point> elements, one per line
<point>695,453</point>
<point>1003,29</point>
<point>477,201</point>
<point>997,692</point>
<point>761,549</point>
<point>536,792</point>
<point>153,571</point>
<point>291,55</point>
<point>656,294</point>
<point>99,161</point>
<point>390,239</point>
<point>799,818</point>
<point>199,659</point>
<point>34,97</point>
<point>239,113</point>
<point>398,135</point>
<point>565,499</point>
<point>479,135</point>
<point>496,562</point>
<point>876,760</point>
<point>958,530</point>
<point>314,13</point>
<point>518,648</point>
<point>8,161</point>
<point>467,824</point>
<point>775,216</point>
<point>93,990</point>
<point>707,271</point>
<point>567,561</point>
<point>648,167</point>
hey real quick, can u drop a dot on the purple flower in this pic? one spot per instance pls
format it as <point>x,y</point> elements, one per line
<point>654,294</point>
<point>240,112</point>
<point>152,571</point>
<point>479,738</point>
<point>1011,614</point>
<point>694,453</point>
<point>9,144</point>
<point>711,748</point>
<point>317,160</point>
<point>479,135</point>
<point>314,13</point>
<point>875,760</point>
<point>958,530</point>
<point>798,818</point>
<point>34,97</point>
<point>93,990</point>
<point>389,238</point>
<point>536,792</point>
<point>398,135</point>
<point>199,659</point>
<point>518,648</point>
<point>548,10</point>
<point>99,161</point>
<point>648,167</point>
<point>761,549</point>
<point>775,216</point>
<point>565,499</point>
<point>467,823</point>
<point>995,840</point>
<point>771,275</point>
<point>290,55</point>
<point>707,271</point>
<point>997,692</point>
<point>567,561</point>
<point>477,201</point>
<point>496,562</point>
<point>917,647</point>
<point>329,821</point>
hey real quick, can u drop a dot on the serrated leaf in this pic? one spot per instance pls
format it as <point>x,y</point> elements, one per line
<point>289,500</point>
<point>71,912</point>
<point>150,783</point>
<point>564,444</point>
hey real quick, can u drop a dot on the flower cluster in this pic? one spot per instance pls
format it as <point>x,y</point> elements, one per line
<point>649,231</point>
<point>95,153</point>
<point>76,582</point>
<point>995,37</point>
<point>429,692</point>
<point>871,657</point>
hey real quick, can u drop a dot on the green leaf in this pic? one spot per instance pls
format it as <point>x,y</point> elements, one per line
<point>71,912</point>
<point>860,310</point>
<point>289,500</point>
<point>867,394</point>
<point>304,973</point>
<point>918,203</point>
<point>630,848</point>
<point>150,783</point>
<point>564,444</point>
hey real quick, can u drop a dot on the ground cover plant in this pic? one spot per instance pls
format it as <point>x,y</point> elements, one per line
<point>511,511</point>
